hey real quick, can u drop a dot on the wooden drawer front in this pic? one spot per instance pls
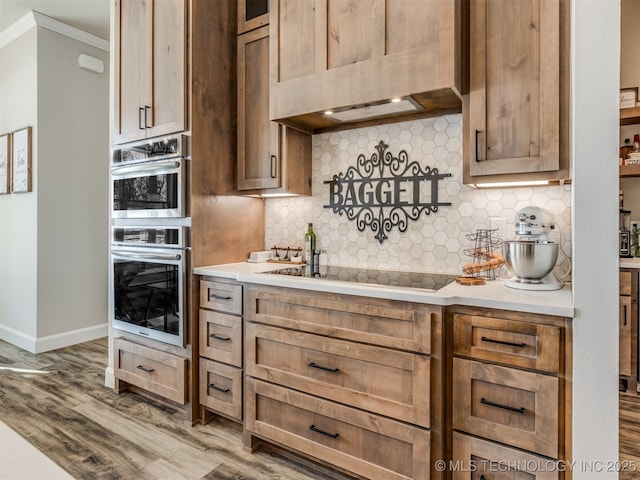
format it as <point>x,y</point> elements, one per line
<point>625,283</point>
<point>506,405</point>
<point>225,297</point>
<point>521,344</point>
<point>221,388</point>
<point>159,372</point>
<point>475,459</point>
<point>389,382</point>
<point>362,443</point>
<point>386,323</point>
<point>221,337</point>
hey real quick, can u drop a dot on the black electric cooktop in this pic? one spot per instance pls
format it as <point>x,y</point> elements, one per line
<point>424,281</point>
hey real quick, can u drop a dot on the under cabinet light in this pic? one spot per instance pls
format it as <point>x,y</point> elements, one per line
<point>529,183</point>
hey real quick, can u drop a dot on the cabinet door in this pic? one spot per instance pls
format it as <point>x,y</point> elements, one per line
<point>258,137</point>
<point>625,335</point>
<point>133,68</point>
<point>166,110</point>
<point>252,14</point>
<point>514,102</point>
<point>329,54</point>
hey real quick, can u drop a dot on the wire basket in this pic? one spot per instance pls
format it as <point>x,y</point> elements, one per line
<point>485,254</point>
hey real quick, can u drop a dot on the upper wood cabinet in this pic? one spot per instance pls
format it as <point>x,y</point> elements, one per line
<point>335,54</point>
<point>516,113</point>
<point>252,14</point>
<point>151,72</point>
<point>270,156</point>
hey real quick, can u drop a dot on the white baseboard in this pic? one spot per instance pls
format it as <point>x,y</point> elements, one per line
<point>109,378</point>
<point>52,342</point>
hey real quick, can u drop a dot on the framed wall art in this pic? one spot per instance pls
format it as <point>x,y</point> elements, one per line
<point>5,163</point>
<point>628,97</point>
<point>21,160</point>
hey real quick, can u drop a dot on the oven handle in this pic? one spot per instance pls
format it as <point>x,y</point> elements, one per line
<point>150,167</point>
<point>146,256</point>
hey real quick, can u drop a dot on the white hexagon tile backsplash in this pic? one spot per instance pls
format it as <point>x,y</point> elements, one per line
<point>435,242</point>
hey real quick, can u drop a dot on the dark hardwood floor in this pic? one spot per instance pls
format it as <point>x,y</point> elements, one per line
<point>93,433</point>
<point>68,414</point>
<point>630,436</point>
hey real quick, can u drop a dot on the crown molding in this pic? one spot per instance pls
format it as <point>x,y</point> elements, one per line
<point>34,18</point>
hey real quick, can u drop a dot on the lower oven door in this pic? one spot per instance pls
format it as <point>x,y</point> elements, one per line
<point>149,293</point>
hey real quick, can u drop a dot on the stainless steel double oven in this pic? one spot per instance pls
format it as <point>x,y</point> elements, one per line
<point>150,239</point>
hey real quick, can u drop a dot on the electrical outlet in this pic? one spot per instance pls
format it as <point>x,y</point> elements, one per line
<point>499,225</point>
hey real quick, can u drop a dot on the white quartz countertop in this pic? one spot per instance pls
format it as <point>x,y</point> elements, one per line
<point>494,294</point>
<point>633,262</point>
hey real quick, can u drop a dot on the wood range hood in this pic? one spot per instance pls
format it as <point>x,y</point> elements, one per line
<point>400,62</point>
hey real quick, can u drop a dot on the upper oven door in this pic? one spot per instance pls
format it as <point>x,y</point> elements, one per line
<point>149,189</point>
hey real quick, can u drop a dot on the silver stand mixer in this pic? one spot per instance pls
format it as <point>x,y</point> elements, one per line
<point>532,258</point>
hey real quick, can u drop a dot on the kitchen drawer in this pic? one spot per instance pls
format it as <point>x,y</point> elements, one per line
<point>384,381</point>
<point>158,372</point>
<point>512,342</point>
<point>507,405</point>
<point>221,337</point>
<point>476,459</point>
<point>625,283</point>
<point>221,388</point>
<point>221,296</point>
<point>387,323</point>
<point>359,442</point>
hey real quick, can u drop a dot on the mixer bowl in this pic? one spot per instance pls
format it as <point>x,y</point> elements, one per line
<point>530,261</point>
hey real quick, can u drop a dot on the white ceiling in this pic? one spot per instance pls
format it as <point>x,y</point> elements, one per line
<point>89,15</point>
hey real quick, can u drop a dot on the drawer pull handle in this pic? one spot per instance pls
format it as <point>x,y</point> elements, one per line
<point>218,297</point>
<point>624,309</point>
<point>144,369</point>
<point>219,337</point>
<point>320,367</point>
<point>316,429</point>
<point>220,389</point>
<point>502,342</point>
<point>504,407</point>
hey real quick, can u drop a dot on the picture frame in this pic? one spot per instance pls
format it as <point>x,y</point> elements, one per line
<point>21,160</point>
<point>5,163</point>
<point>628,97</point>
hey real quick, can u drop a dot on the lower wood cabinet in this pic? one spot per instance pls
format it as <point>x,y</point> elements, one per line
<point>221,388</point>
<point>628,330</point>
<point>220,384</point>
<point>475,458</point>
<point>500,403</point>
<point>369,445</point>
<point>384,381</point>
<point>355,382</point>
<point>511,390</point>
<point>158,372</point>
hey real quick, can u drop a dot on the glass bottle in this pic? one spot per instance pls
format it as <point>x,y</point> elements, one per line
<point>309,245</point>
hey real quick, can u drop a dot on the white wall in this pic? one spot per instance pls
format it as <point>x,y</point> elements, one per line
<point>73,188</point>
<point>18,212</point>
<point>594,136</point>
<point>54,240</point>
